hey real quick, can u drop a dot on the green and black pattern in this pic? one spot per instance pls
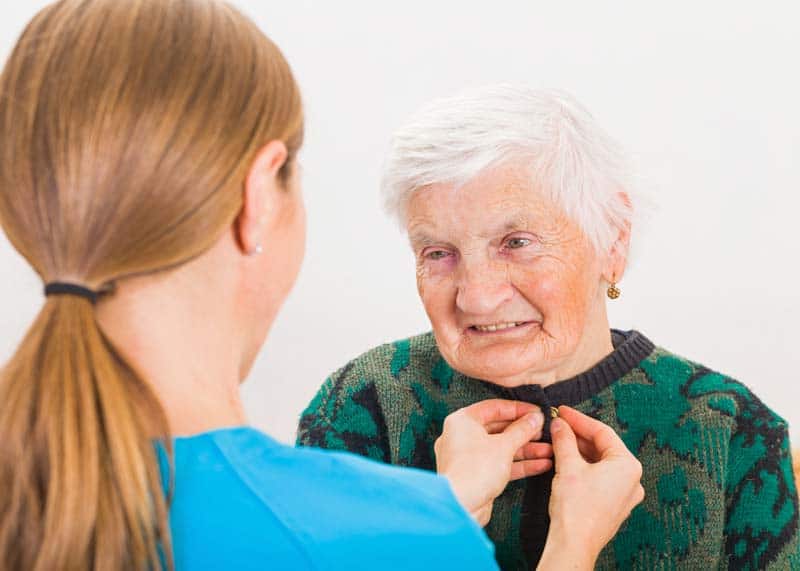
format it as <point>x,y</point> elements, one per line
<point>720,493</point>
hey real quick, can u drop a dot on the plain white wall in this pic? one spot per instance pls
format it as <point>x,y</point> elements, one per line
<point>704,94</point>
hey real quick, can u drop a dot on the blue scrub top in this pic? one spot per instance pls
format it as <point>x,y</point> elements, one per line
<point>244,501</point>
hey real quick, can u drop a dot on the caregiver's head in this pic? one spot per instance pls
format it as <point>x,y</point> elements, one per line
<point>517,206</point>
<point>138,138</point>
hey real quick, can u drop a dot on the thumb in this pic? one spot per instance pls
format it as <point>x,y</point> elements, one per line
<point>522,431</point>
<point>565,445</point>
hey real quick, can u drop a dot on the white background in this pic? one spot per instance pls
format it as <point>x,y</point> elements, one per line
<point>705,95</point>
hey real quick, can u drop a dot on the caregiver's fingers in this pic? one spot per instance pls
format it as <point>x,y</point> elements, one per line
<point>528,468</point>
<point>497,410</point>
<point>638,496</point>
<point>483,514</point>
<point>499,426</point>
<point>520,432</point>
<point>588,450</point>
<point>534,450</point>
<point>601,438</point>
<point>565,445</point>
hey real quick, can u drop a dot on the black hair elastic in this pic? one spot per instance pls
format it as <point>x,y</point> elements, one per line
<point>61,288</point>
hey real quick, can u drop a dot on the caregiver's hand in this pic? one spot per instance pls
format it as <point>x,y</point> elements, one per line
<point>485,445</point>
<point>597,484</point>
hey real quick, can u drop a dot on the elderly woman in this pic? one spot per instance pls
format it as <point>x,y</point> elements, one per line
<point>519,214</point>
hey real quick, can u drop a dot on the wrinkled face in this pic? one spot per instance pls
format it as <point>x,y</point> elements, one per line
<point>511,285</point>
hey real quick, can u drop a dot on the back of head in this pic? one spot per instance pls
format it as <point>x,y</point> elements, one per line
<point>127,128</point>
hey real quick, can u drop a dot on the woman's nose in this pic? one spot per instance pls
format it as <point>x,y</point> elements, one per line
<point>481,291</point>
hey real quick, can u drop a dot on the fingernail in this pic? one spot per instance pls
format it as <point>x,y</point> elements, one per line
<point>536,419</point>
<point>555,425</point>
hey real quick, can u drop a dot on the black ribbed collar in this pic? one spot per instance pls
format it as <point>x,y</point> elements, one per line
<point>630,349</point>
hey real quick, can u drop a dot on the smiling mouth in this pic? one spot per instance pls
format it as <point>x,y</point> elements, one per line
<point>499,326</point>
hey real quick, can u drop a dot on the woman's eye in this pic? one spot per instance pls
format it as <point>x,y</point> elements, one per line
<point>436,254</point>
<point>515,243</point>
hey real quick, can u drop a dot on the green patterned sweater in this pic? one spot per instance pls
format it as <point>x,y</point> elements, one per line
<point>720,493</point>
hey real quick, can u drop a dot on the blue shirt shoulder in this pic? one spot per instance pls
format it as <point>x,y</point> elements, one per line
<point>244,501</point>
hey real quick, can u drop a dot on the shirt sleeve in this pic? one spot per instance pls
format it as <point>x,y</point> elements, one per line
<point>414,519</point>
<point>761,524</point>
<point>346,415</point>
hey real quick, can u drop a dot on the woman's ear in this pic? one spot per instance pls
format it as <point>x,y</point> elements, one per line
<point>617,257</point>
<point>258,203</point>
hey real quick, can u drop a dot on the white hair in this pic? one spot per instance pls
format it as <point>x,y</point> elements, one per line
<point>451,140</point>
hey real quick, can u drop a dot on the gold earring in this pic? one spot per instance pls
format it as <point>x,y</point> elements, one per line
<point>613,291</point>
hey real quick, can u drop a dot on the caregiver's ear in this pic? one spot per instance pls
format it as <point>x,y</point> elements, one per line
<point>259,201</point>
<point>617,254</point>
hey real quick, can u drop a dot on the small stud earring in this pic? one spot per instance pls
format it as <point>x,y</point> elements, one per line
<point>613,291</point>
<point>257,250</point>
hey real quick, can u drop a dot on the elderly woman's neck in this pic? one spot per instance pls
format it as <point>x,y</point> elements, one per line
<point>181,340</point>
<point>594,346</point>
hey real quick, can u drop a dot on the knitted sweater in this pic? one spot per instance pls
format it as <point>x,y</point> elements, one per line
<point>720,493</point>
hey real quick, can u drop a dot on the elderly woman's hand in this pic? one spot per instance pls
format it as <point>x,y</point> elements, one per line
<point>596,486</point>
<point>487,444</point>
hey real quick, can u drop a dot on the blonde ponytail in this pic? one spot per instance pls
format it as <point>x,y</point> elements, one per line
<point>79,472</point>
<point>127,128</point>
